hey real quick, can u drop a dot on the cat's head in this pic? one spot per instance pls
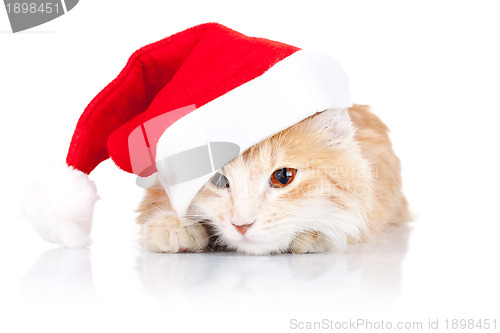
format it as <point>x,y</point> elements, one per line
<point>310,177</point>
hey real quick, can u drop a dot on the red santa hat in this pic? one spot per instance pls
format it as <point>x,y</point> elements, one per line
<point>181,109</point>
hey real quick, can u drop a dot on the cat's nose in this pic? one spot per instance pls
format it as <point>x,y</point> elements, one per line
<point>242,228</point>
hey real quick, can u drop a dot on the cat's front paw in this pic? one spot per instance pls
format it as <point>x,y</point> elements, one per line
<point>166,234</point>
<point>309,242</point>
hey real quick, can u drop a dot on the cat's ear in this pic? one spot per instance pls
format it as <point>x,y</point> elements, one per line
<point>337,124</point>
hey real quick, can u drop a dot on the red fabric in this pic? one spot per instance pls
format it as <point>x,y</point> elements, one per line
<point>191,67</point>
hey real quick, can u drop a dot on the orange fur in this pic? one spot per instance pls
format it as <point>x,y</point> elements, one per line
<point>352,179</point>
<point>390,206</point>
<point>155,199</point>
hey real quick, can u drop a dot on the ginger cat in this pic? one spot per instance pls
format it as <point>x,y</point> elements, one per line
<point>327,181</point>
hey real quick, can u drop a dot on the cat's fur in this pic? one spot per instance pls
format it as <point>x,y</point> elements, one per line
<point>347,188</point>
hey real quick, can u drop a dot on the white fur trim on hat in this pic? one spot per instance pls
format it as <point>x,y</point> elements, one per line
<point>60,205</point>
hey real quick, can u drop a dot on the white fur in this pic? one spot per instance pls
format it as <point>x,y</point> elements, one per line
<point>60,205</point>
<point>335,225</point>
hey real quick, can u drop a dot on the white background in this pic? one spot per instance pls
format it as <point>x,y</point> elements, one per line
<point>429,69</point>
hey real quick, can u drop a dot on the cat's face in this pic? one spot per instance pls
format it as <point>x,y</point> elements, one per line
<point>299,180</point>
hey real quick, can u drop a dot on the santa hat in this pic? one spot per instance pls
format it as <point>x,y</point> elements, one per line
<point>181,109</point>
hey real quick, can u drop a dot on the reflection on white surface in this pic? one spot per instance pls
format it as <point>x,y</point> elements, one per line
<point>370,269</point>
<point>59,273</point>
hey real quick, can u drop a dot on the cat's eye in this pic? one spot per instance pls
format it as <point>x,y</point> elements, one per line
<point>219,180</point>
<point>282,177</point>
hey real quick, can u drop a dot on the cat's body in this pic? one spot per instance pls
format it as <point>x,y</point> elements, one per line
<point>342,180</point>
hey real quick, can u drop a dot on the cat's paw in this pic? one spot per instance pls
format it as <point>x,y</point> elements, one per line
<point>166,234</point>
<point>309,242</point>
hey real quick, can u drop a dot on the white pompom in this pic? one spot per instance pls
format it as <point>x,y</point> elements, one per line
<point>60,205</point>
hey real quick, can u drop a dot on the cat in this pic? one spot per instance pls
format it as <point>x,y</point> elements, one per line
<point>328,181</point>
